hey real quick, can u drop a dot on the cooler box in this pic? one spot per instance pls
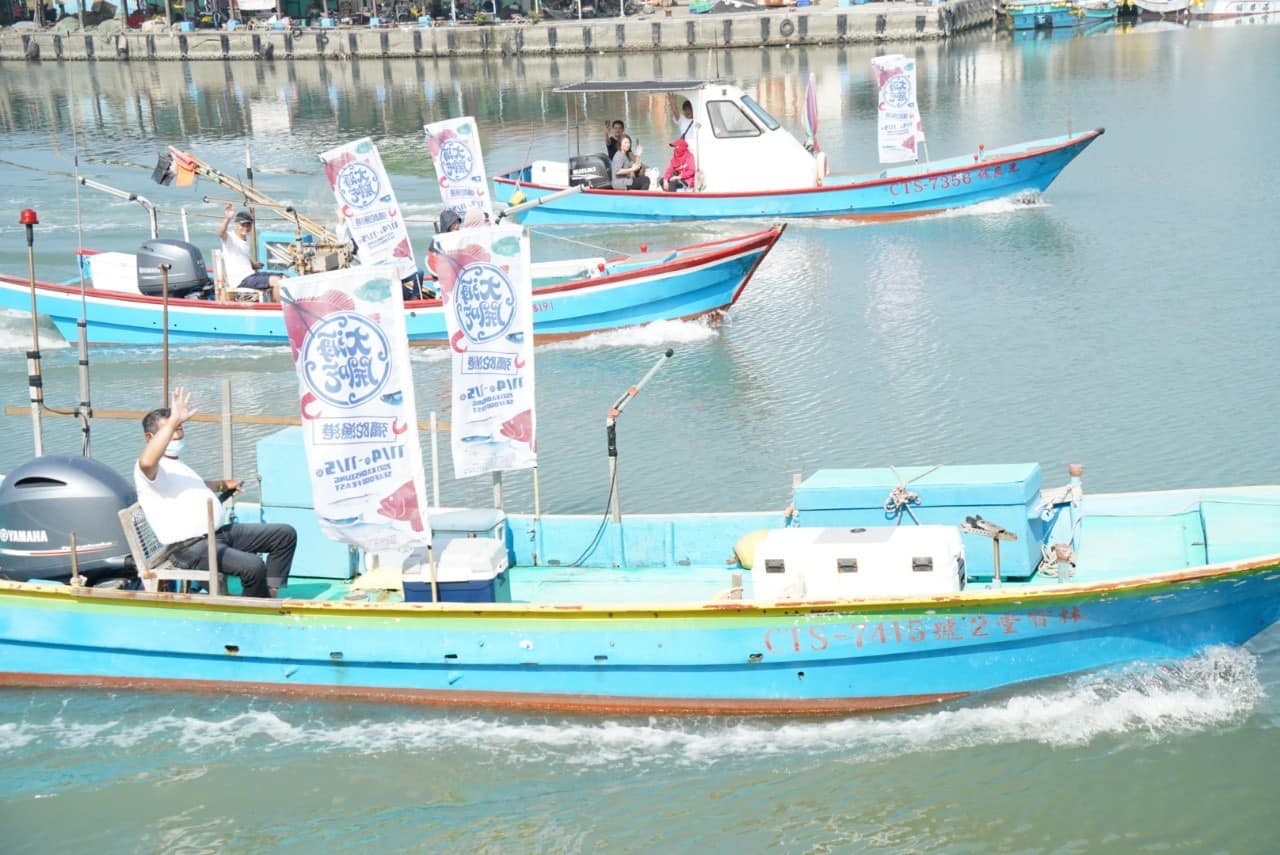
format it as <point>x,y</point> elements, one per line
<point>326,22</point>
<point>231,25</point>
<point>553,172</point>
<point>186,27</point>
<point>424,23</point>
<point>468,570</point>
<point>858,563</point>
<point>114,271</point>
<point>374,23</point>
<point>1005,494</point>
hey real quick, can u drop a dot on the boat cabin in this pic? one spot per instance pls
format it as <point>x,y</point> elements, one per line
<point>738,146</point>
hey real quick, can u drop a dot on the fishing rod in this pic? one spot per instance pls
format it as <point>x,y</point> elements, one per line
<point>611,431</point>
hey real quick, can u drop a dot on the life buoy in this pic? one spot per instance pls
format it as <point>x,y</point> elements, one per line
<point>786,28</point>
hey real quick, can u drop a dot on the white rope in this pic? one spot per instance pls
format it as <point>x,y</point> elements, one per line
<point>901,499</point>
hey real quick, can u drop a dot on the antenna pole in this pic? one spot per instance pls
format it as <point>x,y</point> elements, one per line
<point>35,384</point>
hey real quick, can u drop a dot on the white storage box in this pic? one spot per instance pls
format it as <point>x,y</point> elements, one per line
<point>552,172</point>
<point>114,271</point>
<point>858,563</point>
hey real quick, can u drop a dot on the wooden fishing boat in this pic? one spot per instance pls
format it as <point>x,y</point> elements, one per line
<point>830,607</point>
<point>1096,11</point>
<point>751,166</point>
<point>1056,15</point>
<point>572,298</point>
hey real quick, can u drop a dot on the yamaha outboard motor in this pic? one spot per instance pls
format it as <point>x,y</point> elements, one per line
<point>592,170</point>
<point>188,275</point>
<point>44,500</point>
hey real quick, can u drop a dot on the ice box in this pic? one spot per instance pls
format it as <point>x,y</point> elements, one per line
<point>468,570</point>
<point>858,563</point>
<point>1005,494</point>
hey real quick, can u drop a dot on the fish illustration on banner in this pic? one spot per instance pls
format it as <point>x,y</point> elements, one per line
<point>455,151</point>
<point>368,204</point>
<point>359,423</point>
<point>487,292</point>
<point>900,130</point>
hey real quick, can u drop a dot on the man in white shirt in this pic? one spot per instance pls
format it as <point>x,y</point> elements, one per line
<point>236,258</point>
<point>175,502</point>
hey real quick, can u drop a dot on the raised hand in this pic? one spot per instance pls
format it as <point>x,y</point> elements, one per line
<point>180,408</point>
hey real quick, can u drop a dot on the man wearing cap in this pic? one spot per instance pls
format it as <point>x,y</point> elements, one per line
<point>234,234</point>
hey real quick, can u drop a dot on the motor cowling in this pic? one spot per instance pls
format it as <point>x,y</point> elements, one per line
<point>188,274</point>
<point>46,499</point>
<point>593,170</point>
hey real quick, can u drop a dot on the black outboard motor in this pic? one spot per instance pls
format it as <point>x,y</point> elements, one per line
<point>44,500</point>
<point>592,170</point>
<point>188,275</point>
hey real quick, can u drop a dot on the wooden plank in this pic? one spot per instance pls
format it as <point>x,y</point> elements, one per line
<point>136,415</point>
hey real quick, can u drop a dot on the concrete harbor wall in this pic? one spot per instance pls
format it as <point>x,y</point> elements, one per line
<point>870,22</point>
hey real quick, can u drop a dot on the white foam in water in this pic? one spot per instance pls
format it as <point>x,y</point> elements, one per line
<point>1149,702</point>
<point>15,332</point>
<point>650,335</point>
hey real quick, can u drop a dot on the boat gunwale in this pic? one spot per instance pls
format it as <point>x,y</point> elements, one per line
<point>705,254</point>
<point>855,184</point>
<point>1012,593</point>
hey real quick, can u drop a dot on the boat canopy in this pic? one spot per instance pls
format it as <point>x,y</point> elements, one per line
<point>630,86</point>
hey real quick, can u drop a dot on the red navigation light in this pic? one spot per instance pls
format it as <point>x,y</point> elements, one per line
<point>644,247</point>
<point>28,218</point>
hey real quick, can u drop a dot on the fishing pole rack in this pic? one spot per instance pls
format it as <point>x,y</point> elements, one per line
<point>321,250</point>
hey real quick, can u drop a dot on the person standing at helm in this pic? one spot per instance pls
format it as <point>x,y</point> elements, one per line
<point>683,117</point>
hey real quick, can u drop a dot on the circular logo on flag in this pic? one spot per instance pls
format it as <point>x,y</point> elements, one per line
<point>484,302</point>
<point>358,185</point>
<point>455,160</point>
<point>345,359</point>
<point>897,92</point>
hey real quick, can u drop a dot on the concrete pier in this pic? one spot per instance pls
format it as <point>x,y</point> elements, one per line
<point>812,25</point>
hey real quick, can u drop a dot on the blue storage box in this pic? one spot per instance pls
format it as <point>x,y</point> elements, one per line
<point>231,25</point>
<point>326,22</point>
<point>374,23</point>
<point>282,464</point>
<point>424,22</point>
<point>186,27</point>
<point>495,590</point>
<point>1005,494</point>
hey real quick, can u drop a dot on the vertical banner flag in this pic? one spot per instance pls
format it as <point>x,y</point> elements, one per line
<point>455,150</point>
<point>359,423</point>
<point>487,290</point>
<point>368,205</point>
<point>900,129</point>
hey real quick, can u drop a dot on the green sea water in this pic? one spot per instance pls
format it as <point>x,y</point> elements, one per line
<point>1126,321</point>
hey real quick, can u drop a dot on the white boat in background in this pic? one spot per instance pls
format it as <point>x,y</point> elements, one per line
<point>1164,7</point>
<point>1217,10</point>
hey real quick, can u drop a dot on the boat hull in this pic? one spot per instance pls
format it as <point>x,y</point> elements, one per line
<point>895,193</point>
<point>719,657</point>
<point>696,281</point>
<point>1044,16</point>
<point>1222,10</point>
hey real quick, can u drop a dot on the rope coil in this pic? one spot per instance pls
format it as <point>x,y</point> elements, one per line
<point>901,499</point>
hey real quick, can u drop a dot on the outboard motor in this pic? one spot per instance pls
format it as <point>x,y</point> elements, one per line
<point>592,170</point>
<point>44,500</point>
<point>188,275</point>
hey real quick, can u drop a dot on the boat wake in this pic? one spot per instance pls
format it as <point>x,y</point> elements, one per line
<point>1149,703</point>
<point>650,335</point>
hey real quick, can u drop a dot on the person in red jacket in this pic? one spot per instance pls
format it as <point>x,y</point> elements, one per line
<point>681,170</point>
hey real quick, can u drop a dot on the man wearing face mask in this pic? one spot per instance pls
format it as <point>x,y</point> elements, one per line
<point>174,500</point>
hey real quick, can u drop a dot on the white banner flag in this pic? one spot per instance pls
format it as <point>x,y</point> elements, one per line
<point>359,421</point>
<point>455,150</point>
<point>901,131</point>
<point>368,205</point>
<point>487,291</point>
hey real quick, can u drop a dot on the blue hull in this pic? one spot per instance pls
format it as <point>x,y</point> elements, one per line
<point>1045,16</point>
<point>719,657</point>
<point>892,194</point>
<point>688,282</point>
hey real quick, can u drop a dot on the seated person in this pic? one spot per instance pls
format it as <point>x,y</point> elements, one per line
<point>628,171</point>
<point>236,258</point>
<point>612,134</point>
<point>175,503</point>
<point>681,171</point>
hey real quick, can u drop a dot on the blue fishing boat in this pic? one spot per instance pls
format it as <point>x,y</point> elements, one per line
<point>572,298</point>
<point>749,165</point>
<point>877,588</point>
<point>1096,11</point>
<point>1058,15</point>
